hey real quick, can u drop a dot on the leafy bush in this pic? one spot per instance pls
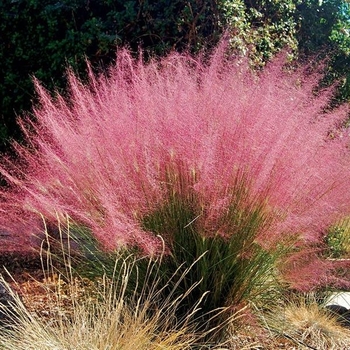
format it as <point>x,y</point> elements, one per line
<point>40,37</point>
<point>338,240</point>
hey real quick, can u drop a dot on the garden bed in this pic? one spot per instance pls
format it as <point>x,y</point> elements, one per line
<point>47,296</point>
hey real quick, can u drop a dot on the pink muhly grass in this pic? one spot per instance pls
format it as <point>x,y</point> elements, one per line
<point>101,155</point>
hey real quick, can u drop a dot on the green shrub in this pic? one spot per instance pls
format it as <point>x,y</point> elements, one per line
<point>338,240</point>
<point>41,38</point>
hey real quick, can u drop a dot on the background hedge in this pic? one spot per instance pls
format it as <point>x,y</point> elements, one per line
<point>42,37</point>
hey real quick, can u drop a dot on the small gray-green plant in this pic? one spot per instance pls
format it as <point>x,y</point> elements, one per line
<point>338,240</point>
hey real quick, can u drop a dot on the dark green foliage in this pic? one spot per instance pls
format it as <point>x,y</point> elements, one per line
<point>261,28</point>
<point>334,242</point>
<point>318,21</point>
<point>324,33</point>
<point>42,38</point>
<point>337,240</point>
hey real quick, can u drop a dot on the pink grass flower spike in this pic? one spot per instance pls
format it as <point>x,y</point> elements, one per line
<point>99,155</point>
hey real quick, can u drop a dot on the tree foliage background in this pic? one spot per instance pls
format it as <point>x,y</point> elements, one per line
<point>42,37</point>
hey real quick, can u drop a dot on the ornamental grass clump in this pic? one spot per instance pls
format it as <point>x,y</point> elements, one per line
<point>233,268</point>
<point>215,159</point>
<point>307,323</point>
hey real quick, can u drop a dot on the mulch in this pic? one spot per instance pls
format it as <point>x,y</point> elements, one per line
<point>42,291</point>
<point>20,266</point>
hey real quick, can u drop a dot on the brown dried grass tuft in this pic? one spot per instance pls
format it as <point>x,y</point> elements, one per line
<point>308,324</point>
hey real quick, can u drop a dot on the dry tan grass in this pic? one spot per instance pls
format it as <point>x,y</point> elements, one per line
<point>80,317</point>
<point>102,319</point>
<point>309,325</point>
